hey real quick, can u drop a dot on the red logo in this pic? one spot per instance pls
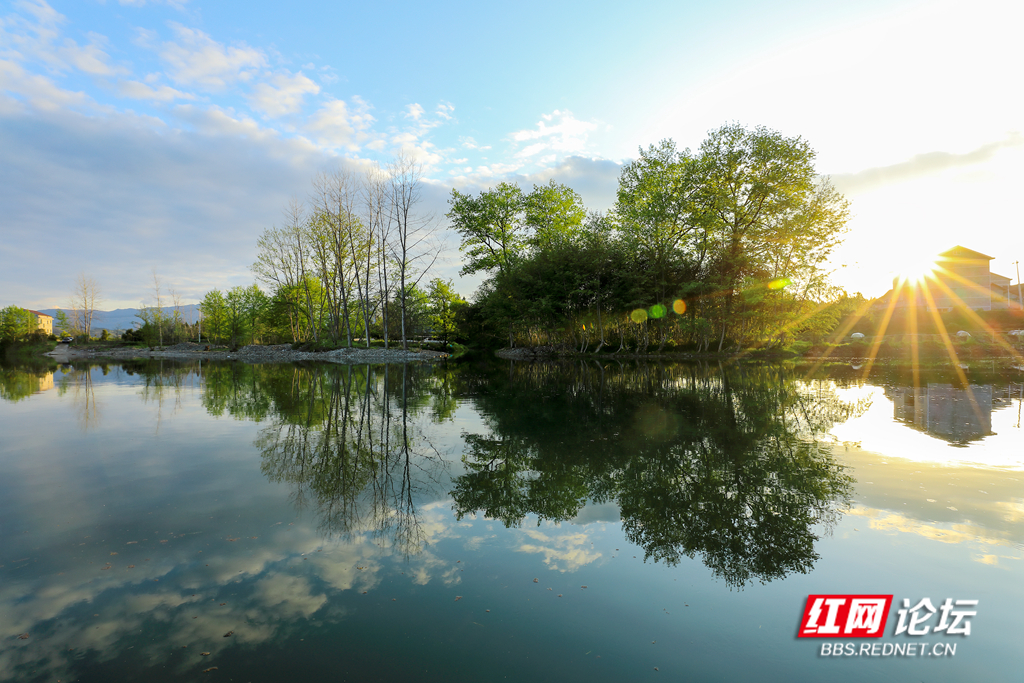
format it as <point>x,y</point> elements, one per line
<point>850,616</point>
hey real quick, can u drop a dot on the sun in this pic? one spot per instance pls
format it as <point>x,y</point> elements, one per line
<point>914,269</point>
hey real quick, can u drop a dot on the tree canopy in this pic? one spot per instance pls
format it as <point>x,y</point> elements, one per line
<point>725,244</point>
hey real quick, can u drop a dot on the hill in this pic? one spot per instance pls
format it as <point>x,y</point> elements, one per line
<point>127,318</point>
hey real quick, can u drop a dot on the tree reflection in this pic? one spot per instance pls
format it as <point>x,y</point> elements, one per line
<point>17,384</point>
<point>344,437</point>
<point>721,463</point>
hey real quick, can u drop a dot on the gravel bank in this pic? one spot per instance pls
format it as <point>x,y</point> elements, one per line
<point>282,353</point>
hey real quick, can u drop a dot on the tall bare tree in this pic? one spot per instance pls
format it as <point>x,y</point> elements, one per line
<point>284,263</point>
<point>85,297</point>
<point>415,248</point>
<point>380,221</point>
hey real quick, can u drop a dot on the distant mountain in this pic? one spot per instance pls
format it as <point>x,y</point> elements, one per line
<point>127,318</point>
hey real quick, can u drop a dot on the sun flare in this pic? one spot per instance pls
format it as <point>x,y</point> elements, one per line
<point>915,270</point>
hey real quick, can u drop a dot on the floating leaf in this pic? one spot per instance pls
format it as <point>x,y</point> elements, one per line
<point>210,669</point>
<point>23,636</point>
<point>204,654</point>
<point>536,580</point>
<point>457,598</point>
<point>229,634</point>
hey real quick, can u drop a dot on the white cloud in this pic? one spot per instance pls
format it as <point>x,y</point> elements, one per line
<point>35,39</point>
<point>336,124</point>
<point>90,59</point>
<point>141,91</point>
<point>283,95</point>
<point>414,112</point>
<point>39,91</point>
<point>564,552</point>
<point>197,60</point>
<point>188,197</point>
<point>922,165</point>
<point>558,132</point>
<point>446,110</point>
<point>177,4</point>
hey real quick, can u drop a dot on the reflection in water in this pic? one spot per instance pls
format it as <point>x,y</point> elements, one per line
<point>77,383</point>
<point>165,541</point>
<point>954,414</point>
<point>344,439</point>
<point>723,463</point>
<point>17,384</point>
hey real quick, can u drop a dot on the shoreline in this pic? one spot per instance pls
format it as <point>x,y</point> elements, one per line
<point>280,353</point>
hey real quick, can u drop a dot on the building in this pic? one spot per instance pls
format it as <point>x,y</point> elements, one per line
<point>43,322</point>
<point>955,414</point>
<point>961,279</point>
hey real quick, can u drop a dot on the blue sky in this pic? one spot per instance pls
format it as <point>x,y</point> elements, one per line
<point>141,136</point>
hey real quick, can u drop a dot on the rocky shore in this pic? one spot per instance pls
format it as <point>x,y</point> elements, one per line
<point>281,353</point>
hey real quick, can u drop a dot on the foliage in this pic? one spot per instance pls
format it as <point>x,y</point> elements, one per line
<point>719,248</point>
<point>445,306</point>
<point>725,464</point>
<point>16,324</point>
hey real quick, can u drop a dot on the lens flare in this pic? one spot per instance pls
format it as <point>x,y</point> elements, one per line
<point>780,283</point>
<point>638,316</point>
<point>658,311</point>
<point>679,306</point>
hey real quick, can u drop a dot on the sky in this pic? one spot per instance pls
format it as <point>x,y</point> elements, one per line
<point>144,140</point>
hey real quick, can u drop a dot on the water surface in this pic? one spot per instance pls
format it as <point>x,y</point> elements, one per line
<point>504,521</point>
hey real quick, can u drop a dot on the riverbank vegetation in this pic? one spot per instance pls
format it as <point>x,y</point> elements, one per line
<point>713,250</point>
<point>721,250</point>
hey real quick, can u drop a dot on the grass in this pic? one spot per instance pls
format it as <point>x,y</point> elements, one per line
<point>26,351</point>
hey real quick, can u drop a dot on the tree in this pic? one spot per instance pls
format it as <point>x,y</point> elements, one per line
<point>63,324</point>
<point>254,305</point>
<point>445,304</point>
<point>16,324</point>
<point>380,222</point>
<point>85,296</point>
<point>655,212</point>
<point>281,264</point>
<point>764,206</point>
<point>156,313</point>
<point>556,215</point>
<point>415,249</point>
<point>214,310</point>
<point>492,226</point>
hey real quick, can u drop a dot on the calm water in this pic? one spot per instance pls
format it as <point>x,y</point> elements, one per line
<point>519,522</point>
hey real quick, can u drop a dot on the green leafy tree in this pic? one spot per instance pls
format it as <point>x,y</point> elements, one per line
<point>766,209</point>
<point>445,305</point>
<point>655,213</point>
<point>16,324</point>
<point>256,304</point>
<point>556,215</point>
<point>492,227</point>
<point>215,315</point>
<point>63,324</point>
